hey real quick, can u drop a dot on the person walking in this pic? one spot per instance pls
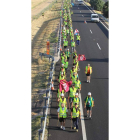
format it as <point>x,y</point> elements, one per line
<point>67,54</point>
<point>78,85</point>
<point>78,39</point>
<point>75,114</point>
<point>66,65</point>
<point>71,94</point>
<point>76,99</point>
<point>72,45</point>
<point>63,100</point>
<point>65,45</point>
<point>88,72</point>
<point>88,104</point>
<point>62,115</point>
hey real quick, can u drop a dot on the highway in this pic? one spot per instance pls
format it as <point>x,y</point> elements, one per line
<point>94,44</point>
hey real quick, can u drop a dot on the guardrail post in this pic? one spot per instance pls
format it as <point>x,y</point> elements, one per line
<point>39,131</point>
<point>44,107</point>
<point>47,91</point>
<point>46,98</point>
<point>42,119</point>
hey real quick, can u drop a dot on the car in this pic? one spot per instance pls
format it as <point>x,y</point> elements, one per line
<point>94,18</point>
<point>80,2</point>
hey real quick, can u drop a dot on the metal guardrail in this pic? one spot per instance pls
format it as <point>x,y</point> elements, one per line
<point>47,98</point>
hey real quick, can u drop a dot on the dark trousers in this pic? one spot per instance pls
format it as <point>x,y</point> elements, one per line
<point>75,122</point>
<point>78,42</point>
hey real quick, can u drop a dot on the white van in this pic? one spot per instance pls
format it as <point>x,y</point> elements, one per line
<point>80,2</point>
<point>94,17</point>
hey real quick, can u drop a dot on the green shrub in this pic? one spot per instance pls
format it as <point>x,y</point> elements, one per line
<point>106,9</point>
<point>97,4</point>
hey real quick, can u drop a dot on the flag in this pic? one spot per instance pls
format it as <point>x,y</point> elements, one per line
<point>76,32</point>
<point>81,57</point>
<point>64,85</point>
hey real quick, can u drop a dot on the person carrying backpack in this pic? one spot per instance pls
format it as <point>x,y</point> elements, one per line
<point>88,104</point>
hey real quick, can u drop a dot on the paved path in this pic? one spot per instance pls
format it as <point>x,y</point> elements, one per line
<point>94,44</point>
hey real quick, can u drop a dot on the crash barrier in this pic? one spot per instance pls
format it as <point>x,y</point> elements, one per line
<point>47,98</point>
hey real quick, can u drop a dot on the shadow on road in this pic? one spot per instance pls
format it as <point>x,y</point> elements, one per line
<point>97,60</point>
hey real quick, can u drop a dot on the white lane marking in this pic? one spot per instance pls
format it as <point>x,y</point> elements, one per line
<point>91,31</point>
<point>100,21</point>
<point>82,120</point>
<point>98,46</point>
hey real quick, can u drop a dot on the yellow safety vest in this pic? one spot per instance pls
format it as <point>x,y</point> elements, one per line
<point>87,69</point>
<point>64,101</point>
<point>76,100</point>
<point>63,113</point>
<point>72,92</point>
<point>74,113</point>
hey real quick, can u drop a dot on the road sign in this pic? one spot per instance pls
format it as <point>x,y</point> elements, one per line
<point>48,47</point>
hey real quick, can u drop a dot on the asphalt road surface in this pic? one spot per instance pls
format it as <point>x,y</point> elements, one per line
<point>94,44</point>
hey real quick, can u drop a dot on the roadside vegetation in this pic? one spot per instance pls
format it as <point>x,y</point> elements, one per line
<point>106,9</point>
<point>100,7</point>
<point>43,29</point>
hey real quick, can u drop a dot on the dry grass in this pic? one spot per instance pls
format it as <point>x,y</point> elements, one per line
<point>36,2</point>
<point>42,28</point>
<point>40,68</point>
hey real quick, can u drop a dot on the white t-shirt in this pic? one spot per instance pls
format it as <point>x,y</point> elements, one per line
<point>62,109</point>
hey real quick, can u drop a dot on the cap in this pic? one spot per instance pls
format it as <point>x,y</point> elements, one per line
<point>88,64</point>
<point>76,93</point>
<point>62,64</point>
<point>67,49</point>
<point>61,72</point>
<point>62,94</point>
<point>89,93</point>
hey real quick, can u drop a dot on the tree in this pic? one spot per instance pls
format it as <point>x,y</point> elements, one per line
<point>97,4</point>
<point>106,9</point>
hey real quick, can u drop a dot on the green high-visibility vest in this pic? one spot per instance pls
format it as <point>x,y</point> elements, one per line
<point>74,54</point>
<point>77,84</point>
<point>87,69</point>
<point>65,22</point>
<point>67,53</point>
<point>63,113</point>
<point>67,31</point>
<point>72,44</point>
<point>78,37</point>
<point>74,113</point>
<point>66,64</point>
<point>62,59</point>
<point>59,93</point>
<point>72,37</point>
<point>72,92</point>
<point>62,101</point>
<point>74,78</point>
<point>90,102</point>
<point>63,72</point>
<point>64,37</point>
<point>72,71</point>
<point>61,78</point>
<point>76,100</point>
<point>65,43</point>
